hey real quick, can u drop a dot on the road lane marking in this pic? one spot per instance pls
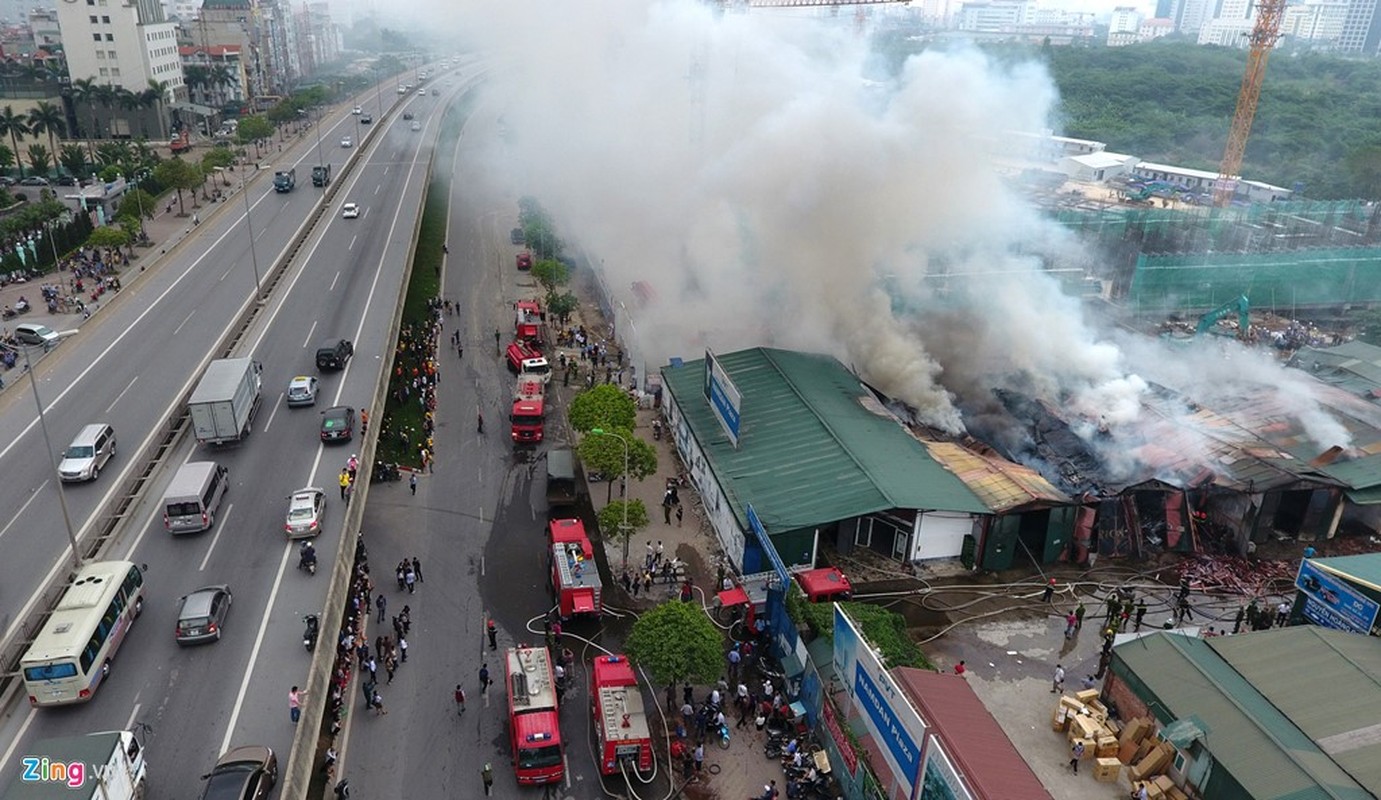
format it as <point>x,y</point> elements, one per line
<point>352,242</point>
<point>133,715</point>
<point>333,282</point>
<point>227,272</point>
<point>19,736</point>
<point>306,341</point>
<point>121,394</point>
<point>20,515</point>
<point>178,329</point>
<point>220,526</point>
<point>254,652</point>
<point>276,405</point>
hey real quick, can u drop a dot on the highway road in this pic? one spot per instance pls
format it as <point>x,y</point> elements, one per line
<point>136,360</point>
<point>477,525</point>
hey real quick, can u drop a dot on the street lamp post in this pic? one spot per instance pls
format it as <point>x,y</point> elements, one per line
<point>52,459</point>
<point>623,526</point>
<point>253,256</point>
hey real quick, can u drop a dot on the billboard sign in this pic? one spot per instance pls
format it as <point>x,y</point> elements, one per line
<point>941,780</point>
<point>723,396</point>
<point>887,714</point>
<point>760,533</point>
<point>1330,602</point>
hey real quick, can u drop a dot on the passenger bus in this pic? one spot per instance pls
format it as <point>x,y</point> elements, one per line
<point>71,655</point>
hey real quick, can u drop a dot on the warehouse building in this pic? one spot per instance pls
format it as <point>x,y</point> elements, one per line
<point>1274,715</point>
<point>799,446</point>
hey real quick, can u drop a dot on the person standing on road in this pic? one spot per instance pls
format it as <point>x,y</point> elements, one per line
<point>382,604</point>
<point>344,483</point>
<point>1049,591</point>
<point>412,484</point>
<point>410,578</point>
<point>493,635</point>
<point>1076,754</point>
<point>497,336</point>
<point>484,679</point>
<point>417,568</point>
<point>487,775</point>
<point>295,696</point>
<point>1059,683</point>
<point>460,699</point>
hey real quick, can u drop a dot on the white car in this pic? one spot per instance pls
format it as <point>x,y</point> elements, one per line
<point>350,210</point>
<point>357,110</point>
<point>347,142</point>
<point>402,90</point>
<point>302,391</point>
<point>421,92</point>
<point>417,126</point>
<point>306,507</point>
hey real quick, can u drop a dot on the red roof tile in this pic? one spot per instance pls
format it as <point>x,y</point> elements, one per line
<point>973,740</point>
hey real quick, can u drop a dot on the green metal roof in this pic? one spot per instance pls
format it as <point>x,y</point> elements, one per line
<point>815,445</point>
<point>1250,738</point>
<point>1327,682</point>
<point>1364,568</point>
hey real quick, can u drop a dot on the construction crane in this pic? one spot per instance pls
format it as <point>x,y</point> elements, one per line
<point>1265,33</point>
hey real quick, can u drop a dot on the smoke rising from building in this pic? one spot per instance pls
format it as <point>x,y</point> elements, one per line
<point>767,187</point>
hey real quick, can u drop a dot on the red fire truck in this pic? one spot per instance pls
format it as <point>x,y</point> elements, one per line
<point>524,260</point>
<point>534,731</point>
<point>528,418</point>
<point>527,324</point>
<point>574,575</point>
<point>620,722</point>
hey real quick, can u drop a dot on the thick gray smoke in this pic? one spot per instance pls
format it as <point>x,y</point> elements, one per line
<point>750,171</point>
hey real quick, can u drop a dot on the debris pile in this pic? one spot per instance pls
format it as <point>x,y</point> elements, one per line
<point>1234,575</point>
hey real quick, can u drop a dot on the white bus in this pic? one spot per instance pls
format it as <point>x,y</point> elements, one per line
<point>71,654</point>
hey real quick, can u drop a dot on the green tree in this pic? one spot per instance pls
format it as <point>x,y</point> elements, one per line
<point>14,126</point>
<point>6,157</point>
<point>562,306</point>
<point>218,158</point>
<point>73,159</point>
<point>677,642</point>
<point>84,93</point>
<point>254,129</point>
<point>604,452</point>
<point>108,236</point>
<point>138,205</point>
<point>48,118</point>
<point>614,527</point>
<point>551,274</point>
<point>605,406</point>
<point>40,158</point>
<point>180,175</point>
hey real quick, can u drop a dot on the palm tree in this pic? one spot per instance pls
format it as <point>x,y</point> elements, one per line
<point>130,103</point>
<point>13,125</point>
<point>40,158</point>
<point>48,118</point>
<point>154,97</point>
<point>197,79</point>
<point>84,91</point>
<point>109,97</point>
<point>220,77</point>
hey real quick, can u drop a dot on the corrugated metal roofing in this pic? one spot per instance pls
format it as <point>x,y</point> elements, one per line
<point>1002,485</point>
<point>1365,568</point>
<point>1251,739</point>
<point>1353,366</point>
<point>1327,682</point>
<point>815,445</point>
<point>980,750</point>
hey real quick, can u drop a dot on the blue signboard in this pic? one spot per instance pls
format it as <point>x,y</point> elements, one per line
<point>906,752</point>
<point>724,397</point>
<point>755,525</point>
<point>1330,602</point>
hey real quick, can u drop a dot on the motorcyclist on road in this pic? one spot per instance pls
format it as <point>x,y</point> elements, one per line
<point>308,557</point>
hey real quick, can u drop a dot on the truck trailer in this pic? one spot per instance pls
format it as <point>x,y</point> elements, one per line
<point>575,583</point>
<point>225,401</point>
<point>623,739</point>
<point>96,766</point>
<point>321,175</point>
<point>527,326</point>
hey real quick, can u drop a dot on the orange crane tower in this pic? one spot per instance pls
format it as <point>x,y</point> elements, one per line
<point>1264,35</point>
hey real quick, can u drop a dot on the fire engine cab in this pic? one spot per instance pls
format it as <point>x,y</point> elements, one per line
<point>620,722</point>
<point>527,324</point>
<point>534,729</point>
<point>574,575</point>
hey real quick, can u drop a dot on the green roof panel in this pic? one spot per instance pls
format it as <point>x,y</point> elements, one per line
<point>1364,568</point>
<point>815,444</point>
<point>1250,738</point>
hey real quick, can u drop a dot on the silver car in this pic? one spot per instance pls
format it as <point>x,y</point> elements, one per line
<point>306,510</point>
<point>302,391</point>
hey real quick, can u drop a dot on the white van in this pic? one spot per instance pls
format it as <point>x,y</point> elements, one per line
<point>34,333</point>
<point>193,499</point>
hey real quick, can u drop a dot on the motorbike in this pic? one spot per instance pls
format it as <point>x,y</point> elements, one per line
<point>721,733</point>
<point>309,636</point>
<point>307,560</point>
<point>657,430</point>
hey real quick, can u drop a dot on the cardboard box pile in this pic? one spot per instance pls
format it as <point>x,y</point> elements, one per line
<point>1084,719</point>
<point>1106,770</point>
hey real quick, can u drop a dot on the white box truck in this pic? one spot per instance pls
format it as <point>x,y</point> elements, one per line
<point>97,766</point>
<point>225,400</point>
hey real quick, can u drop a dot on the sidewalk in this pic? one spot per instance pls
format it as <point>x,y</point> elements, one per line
<point>742,770</point>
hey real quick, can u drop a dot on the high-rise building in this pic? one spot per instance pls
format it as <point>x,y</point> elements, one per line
<point>126,45</point>
<point>43,24</point>
<point>265,34</point>
<point>1361,28</point>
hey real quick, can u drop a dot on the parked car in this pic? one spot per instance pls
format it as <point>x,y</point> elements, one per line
<point>338,424</point>
<point>306,507</point>
<point>34,180</point>
<point>243,773</point>
<point>201,615</point>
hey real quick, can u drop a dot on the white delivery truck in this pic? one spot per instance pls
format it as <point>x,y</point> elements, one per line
<point>97,766</point>
<point>225,400</point>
